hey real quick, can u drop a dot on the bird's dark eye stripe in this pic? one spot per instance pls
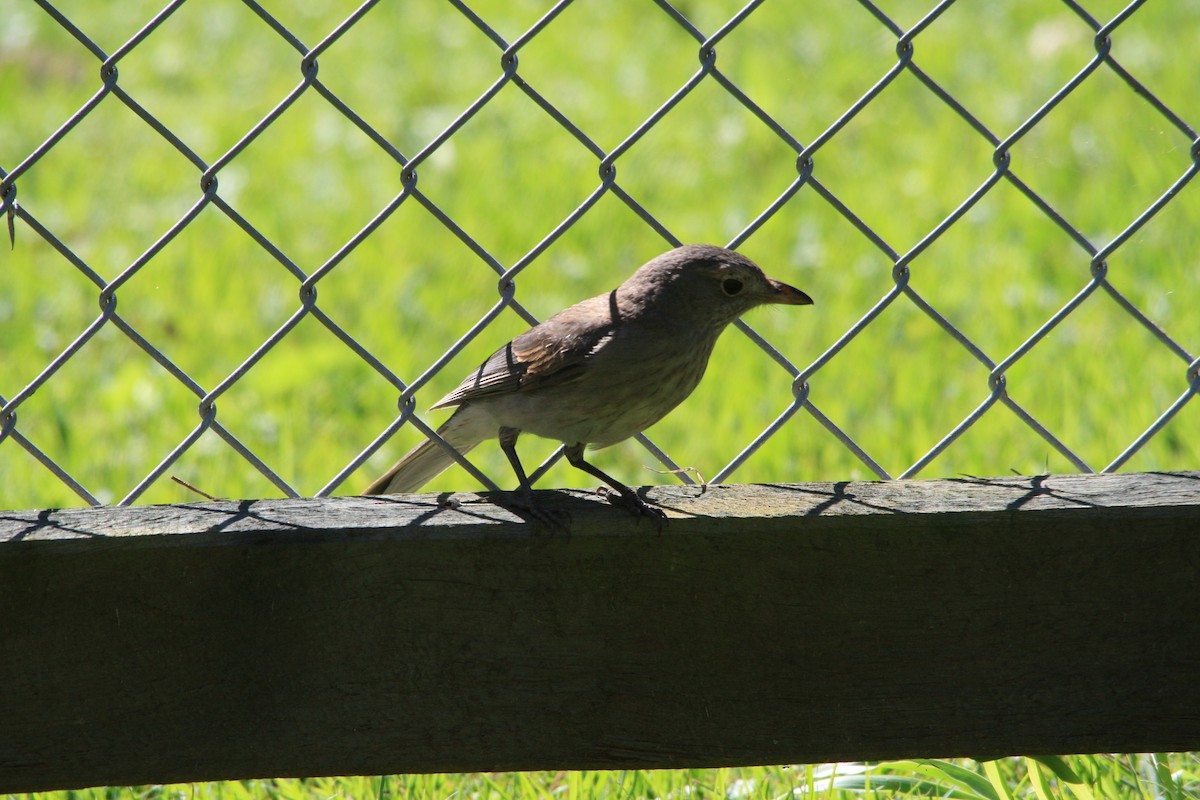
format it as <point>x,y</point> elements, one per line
<point>731,285</point>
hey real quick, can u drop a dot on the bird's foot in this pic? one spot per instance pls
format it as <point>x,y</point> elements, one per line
<point>631,502</point>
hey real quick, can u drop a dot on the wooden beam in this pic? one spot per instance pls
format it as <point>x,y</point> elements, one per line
<point>762,624</point>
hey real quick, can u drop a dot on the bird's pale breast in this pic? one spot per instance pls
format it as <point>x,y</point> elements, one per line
<point>630,383</point>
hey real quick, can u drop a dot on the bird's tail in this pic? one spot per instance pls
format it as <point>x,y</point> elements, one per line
<point>427,460</point>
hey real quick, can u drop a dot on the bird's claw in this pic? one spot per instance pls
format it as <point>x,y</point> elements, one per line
<point>631,502</point>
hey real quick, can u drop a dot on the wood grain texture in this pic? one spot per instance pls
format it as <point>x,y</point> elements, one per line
<point>763,624</point>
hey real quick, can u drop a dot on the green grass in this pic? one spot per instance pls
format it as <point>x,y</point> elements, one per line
<point>1075,777</point>
<point>510,175</point>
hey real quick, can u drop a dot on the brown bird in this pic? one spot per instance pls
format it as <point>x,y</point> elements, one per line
<point>602,370</point>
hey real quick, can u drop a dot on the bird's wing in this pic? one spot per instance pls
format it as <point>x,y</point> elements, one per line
<point>548,354</point>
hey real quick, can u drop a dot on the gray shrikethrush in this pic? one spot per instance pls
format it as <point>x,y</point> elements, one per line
<point>602,370</point>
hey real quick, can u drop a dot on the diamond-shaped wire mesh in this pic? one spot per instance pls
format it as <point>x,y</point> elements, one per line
<point>289,217</point>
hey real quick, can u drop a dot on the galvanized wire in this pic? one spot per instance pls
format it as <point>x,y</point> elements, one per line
<point>993,376</point>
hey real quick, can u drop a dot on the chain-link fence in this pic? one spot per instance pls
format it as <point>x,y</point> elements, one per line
<point>404,92</point>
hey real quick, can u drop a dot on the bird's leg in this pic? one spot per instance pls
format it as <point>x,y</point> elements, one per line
<point>555,520</point>
<point>508,443</point>
<point>629,498</point>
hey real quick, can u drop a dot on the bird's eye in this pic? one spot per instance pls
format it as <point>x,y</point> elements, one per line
<point>731,286</point>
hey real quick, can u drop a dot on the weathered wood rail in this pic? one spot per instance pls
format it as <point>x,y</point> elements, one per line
<point>763,624</point>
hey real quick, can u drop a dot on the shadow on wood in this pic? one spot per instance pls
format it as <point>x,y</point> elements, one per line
<point>763,624</point>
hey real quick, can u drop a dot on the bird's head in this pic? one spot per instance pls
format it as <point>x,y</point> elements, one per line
<point>707,280</point>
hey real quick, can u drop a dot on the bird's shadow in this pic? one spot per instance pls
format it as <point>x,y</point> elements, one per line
<point>552,510</point>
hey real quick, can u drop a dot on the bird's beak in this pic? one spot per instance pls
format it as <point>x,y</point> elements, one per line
<point>787,295</point>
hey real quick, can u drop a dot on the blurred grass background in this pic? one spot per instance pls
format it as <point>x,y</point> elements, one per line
<point>112,186</point>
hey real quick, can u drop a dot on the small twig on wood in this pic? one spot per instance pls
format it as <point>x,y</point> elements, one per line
<point>187,485</point>
<point>681,471</point>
